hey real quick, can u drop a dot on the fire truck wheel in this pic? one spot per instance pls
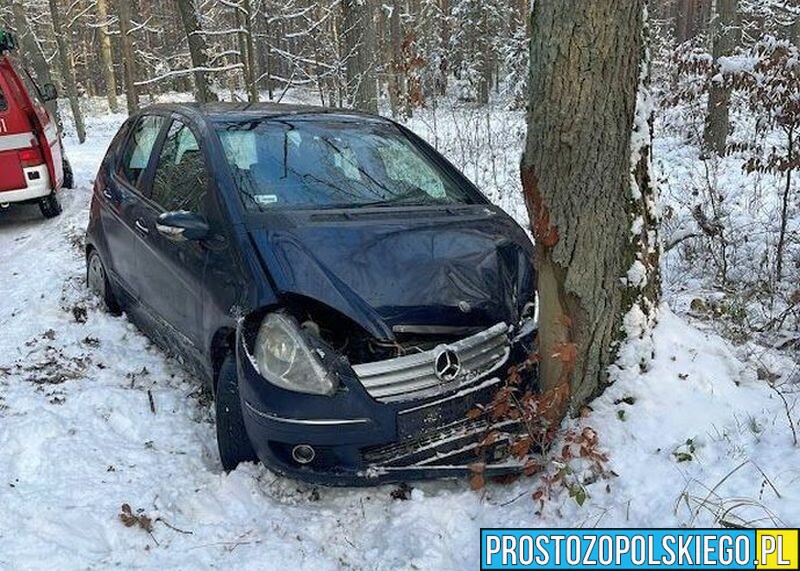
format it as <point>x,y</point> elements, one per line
<point>50,206</point>
<point>69,178</point>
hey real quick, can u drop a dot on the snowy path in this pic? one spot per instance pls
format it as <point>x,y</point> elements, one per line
<point>78,439</point>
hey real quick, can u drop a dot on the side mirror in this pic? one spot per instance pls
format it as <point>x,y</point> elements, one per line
<point>49,92</point>
<point>182,226</point>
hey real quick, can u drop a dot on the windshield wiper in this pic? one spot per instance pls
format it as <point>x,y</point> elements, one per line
<point>405,200</point>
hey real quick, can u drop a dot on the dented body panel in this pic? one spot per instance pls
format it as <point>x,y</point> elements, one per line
<point>465,266</point>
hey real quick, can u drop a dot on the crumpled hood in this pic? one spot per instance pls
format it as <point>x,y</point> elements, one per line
<point>463,266</point>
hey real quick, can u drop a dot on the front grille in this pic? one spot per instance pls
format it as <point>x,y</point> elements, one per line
<point>454,443</point>
<point>414,376</point>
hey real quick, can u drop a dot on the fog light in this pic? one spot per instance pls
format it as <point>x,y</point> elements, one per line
<point>303,454</point>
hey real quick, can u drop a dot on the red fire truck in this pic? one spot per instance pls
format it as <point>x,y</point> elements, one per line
<point>32,164</point>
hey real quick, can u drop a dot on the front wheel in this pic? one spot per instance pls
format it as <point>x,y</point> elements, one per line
<point>97,280</point>
<point>50,205</point>
<point>232,440</point>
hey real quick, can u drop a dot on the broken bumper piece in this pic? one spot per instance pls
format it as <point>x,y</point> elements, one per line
<point>359,438</point>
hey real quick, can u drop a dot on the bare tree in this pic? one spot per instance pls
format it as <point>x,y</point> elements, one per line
<point>67,69</point>
<point>586,180</point>
<point>359,54</point>
<point>397,78</point>
<point>197,49</point>
<point>244,17</point>
<point>128,57</point>
<point>726,38</point>
<point>101,6</point>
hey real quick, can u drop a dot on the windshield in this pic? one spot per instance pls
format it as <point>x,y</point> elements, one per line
<point>312,163</point>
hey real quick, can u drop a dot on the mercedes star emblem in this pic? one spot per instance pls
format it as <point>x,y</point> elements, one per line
<point>447,365</point>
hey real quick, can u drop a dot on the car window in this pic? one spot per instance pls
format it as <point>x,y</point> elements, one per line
<point>140,145</point>
<point>307,163</point>
<point>3,101</point>
<point>181,178</point>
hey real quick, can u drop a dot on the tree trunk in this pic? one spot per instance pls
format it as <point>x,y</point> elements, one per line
<point>484,57</point>
<point>359,44</point>
<point>396,67</point>
<point>67,69</point>
<point>128,57</point>
<point>444,64</point>
<point>252,87</point>
<point>726,37</point>
<point>785,206</point>
<point>586,181</point>
<point>197,50</point>
<point>106,55</point>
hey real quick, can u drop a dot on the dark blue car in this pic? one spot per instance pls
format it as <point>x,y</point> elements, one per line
<point>346,293</point>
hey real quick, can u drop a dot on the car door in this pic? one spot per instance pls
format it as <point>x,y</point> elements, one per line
<point>172,272</point>
<point>121,196</point>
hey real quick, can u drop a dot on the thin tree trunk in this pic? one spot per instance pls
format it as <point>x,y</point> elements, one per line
<point>252,87</point>
<point>396,95</point>
<point>726,37</point>
<point>197,50</point>
<point>67,69</point>
<point>106,55</point>
<point>444,64</point>
<point>785,207</point>
<point>585,131</point>
<point>128,56</point>
<point>242,44</point>
<point>359,50</point>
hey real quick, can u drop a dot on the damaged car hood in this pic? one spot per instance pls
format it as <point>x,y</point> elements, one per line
<point>392,268</point>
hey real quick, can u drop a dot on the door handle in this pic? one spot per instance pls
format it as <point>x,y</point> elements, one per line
<point>107,194</point>
<point>141,227</point>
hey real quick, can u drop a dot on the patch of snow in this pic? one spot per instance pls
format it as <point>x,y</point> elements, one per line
<point>637,275</point>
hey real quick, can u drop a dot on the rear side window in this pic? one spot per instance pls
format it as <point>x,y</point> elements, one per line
<point>3,101</point>
<point>140,145</point>
<point>181,178</point>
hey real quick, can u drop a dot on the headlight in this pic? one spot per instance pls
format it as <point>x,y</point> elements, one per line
<point>284,358</point>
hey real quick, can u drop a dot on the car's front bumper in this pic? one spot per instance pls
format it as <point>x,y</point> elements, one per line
<point>359,440</point>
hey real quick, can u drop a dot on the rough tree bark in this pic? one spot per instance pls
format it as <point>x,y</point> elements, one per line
<point>359,51</point>
<point>106,55</point>
<point>726,37</point>
<point>67,69</point>
<point>586,180</point>
<point>690,17</point>
<point>128,57</point>
<point>197,50</point>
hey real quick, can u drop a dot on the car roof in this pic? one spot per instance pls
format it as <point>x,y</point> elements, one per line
<point>227,111</point>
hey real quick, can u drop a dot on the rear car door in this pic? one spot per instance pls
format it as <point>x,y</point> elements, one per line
<point>122,202</point>
<point>172,272</point>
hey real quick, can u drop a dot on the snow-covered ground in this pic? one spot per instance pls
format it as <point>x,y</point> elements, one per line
<point>697,438</point>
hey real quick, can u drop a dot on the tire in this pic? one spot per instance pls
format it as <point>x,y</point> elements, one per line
<point>50,206</point>
<point>232,440</point>
<point>97,281</point>
<point>69,177</point>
